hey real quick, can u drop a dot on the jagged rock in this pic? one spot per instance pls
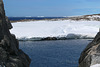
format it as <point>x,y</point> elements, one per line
<point>91,54</point>
<point>8,23</point>
<point>10,54</point>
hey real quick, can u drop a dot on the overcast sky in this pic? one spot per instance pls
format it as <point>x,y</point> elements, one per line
<point>51,8</point>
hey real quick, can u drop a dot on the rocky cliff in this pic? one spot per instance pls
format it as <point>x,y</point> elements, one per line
<point>91,54</point>
<point>10,54</point>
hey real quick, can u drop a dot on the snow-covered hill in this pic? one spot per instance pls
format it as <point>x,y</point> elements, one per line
<point>93,17</point>
<point>35,30</point>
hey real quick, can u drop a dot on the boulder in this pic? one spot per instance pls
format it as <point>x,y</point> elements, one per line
<point>91,54</point>
<point>10,54</point>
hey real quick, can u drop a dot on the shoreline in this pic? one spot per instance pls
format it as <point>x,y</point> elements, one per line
<point>92,17</point>
<point>40,19</point>
<point>46,39</point>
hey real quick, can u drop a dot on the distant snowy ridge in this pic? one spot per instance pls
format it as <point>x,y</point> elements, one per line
<point>93,17</point>
<point>69,36</point>
<point>60,29</point>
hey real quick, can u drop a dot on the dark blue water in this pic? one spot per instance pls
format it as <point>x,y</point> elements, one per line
<point>59,53</point>
<point>35,18</point>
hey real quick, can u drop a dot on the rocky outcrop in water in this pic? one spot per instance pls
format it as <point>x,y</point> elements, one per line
<point>91,54</point>
<point>10,54</point>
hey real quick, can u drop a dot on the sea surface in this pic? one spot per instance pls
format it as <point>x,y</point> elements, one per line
<point>57,53</point>
<point>35,18</point>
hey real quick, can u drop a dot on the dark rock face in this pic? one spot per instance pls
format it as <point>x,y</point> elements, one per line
<point>91,54</point>
<point>10,54</point>
<point>49,38</point>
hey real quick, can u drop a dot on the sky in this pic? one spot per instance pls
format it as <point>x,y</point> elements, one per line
<point>51,8</point>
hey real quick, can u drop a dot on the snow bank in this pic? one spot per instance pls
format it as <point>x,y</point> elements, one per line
<point>62,28</point>
<point>96,65</point>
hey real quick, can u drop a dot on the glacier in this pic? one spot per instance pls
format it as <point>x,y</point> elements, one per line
<point>35,30</point>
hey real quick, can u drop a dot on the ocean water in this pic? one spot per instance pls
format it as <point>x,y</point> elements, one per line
<point>35,18</point>
<point>57,53</point>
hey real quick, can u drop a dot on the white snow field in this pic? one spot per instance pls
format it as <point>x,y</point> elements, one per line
<point>60,28</point>
<point>96,65</point>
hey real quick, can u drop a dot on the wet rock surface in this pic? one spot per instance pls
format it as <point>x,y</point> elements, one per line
<point>10,54</point>
<point>91,54</point>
